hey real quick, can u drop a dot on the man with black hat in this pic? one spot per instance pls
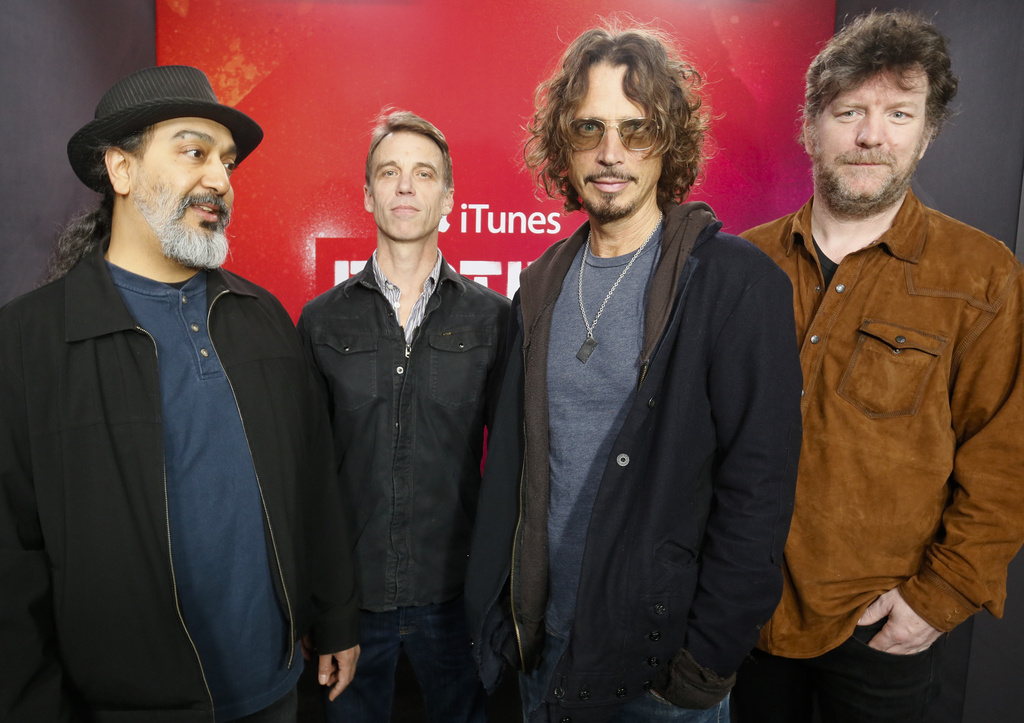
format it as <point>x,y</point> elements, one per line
<point>168,517</point>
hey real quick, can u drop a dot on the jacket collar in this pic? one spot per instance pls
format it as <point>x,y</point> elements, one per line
<point>541,282</point>
<point>447,274</point>
<point>93,307</point>
<point>905,239</point>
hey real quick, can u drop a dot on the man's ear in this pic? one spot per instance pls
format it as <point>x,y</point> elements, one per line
<point>805,137</point>
<point>367,198</point>
<point>118,163</point>
<point>449,202</point>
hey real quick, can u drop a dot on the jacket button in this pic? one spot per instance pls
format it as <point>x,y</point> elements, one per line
<point>658,608</point>
<point>584,694</point>
<point>622,460</point>
<point>654,662</point>
<point>620,692</point>
<point>204,352</point>
<point>400,370</point>
<point>655,635</point>
<point>815,339</point>
<point>559,693</point>
<point>650,402</point>
<point>817,289</point>
<point>901,340</point>
<point>565,719</point>
<point>840,288</point>
<point>194,327</point>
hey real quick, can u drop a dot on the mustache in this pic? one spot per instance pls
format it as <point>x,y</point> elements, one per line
<point>609,175</point>
<point>870,157</point>
<point>204,199</point>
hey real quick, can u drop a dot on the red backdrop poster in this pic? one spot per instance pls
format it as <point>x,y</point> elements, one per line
<point>315,74</point>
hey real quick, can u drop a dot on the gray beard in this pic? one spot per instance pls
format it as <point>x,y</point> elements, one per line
<point>203,248</point>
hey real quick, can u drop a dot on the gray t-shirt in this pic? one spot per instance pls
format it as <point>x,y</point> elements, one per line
<point>587,404</point>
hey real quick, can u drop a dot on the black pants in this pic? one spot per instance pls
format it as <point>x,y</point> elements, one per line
<point>853,683</point>
<point>285,710</point>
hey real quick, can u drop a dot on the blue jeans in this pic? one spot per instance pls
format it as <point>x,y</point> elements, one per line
<point>853,683</point>
<point>650,707</point>
<point>436,641</point>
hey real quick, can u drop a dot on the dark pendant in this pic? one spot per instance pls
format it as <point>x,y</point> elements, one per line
<point>587,349</point>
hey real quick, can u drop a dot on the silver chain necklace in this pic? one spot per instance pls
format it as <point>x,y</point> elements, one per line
<point>590,343</point>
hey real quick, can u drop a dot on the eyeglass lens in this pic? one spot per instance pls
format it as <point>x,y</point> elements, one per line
<point>637,134</point>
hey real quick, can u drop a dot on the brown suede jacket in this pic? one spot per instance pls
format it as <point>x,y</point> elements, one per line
<point>913,411</point>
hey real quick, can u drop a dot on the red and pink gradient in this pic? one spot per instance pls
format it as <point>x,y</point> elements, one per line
<point>315,74</point>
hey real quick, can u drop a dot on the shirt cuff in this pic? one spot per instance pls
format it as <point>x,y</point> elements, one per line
<point>937,602</point>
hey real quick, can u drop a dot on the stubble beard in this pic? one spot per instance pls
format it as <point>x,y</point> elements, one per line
<point>205,247</point>
<point>848,205</point>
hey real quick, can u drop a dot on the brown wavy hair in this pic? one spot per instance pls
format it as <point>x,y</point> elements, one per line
<point>658,79</point>
<point>897,43</point>
<point>392,121</point>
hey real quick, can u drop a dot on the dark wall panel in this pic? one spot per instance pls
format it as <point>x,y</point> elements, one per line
<point>58,57</point>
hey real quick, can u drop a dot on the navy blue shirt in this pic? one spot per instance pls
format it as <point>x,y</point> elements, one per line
<point>218,549</point>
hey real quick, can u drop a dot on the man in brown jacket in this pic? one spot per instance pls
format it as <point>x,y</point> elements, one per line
<point>909,504</point>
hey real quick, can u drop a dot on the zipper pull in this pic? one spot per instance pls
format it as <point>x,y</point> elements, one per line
<point>408,349</point>
<point>643,374</point>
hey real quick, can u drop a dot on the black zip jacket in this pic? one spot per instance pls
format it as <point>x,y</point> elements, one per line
<point>684,547</point>
<point>90,627</point>
<point>408,424</point>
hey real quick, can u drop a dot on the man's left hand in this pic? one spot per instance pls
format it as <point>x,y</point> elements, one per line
<point>337,670</point>
<point>905,632</point>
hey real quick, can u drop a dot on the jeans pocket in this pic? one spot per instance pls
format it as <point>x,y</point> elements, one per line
<point>863,634</point>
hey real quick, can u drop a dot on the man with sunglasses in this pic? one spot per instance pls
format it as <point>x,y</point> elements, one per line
<point>642,463</point>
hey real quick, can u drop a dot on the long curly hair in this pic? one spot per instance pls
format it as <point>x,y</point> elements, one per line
<point>657,79</point>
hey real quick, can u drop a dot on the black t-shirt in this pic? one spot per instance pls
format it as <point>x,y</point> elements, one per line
<point>828,266</point>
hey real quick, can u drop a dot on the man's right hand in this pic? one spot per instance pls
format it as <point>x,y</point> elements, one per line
<point>337,670</point>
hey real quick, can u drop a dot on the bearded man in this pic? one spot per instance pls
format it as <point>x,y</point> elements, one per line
<point>641,469</point>
<point>908,503</point>
<point>168,511</point>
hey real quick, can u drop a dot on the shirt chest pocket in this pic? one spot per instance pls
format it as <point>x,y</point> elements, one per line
<point>458,365</point>
<point>888,373</point>
<point>350,362</point>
